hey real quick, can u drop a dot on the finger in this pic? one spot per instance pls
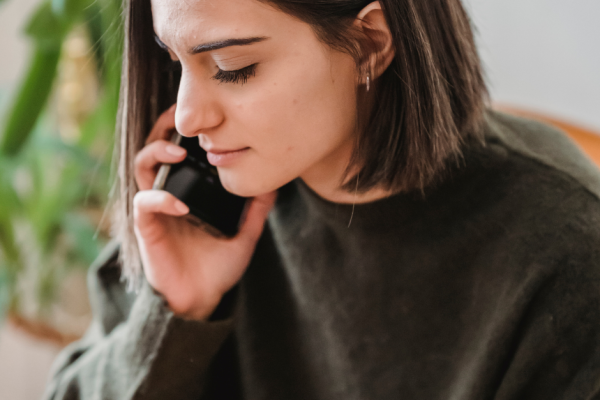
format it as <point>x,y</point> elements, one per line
<point>163,126</point>
<point>258,211</point>
<point>148,203</point>
<point>149,159</point>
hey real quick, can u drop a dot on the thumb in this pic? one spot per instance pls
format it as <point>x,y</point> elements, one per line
<point>258,211</point>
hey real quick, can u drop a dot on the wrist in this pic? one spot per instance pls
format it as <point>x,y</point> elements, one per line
<point>189,310</point>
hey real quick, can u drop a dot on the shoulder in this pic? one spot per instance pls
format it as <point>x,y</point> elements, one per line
<point>549,177</point>
<point>533,191</point>
<point>529,166</point>
<point>538,143</point>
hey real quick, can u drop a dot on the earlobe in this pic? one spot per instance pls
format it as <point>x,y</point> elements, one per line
<point>380,50</point>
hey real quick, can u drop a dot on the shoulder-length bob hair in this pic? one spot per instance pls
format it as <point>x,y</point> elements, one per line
<point>426,104</point>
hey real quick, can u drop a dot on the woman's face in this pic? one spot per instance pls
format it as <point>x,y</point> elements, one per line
<point>290,107</point>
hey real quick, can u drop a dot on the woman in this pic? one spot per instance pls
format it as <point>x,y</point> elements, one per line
<point>420,247</point>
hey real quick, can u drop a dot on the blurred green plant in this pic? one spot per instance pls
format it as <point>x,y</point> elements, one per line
<point>48,185</point>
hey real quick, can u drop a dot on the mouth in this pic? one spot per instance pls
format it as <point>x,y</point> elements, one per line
<point>221,157</point>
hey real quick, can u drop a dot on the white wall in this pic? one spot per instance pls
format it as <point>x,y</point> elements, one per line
<point>542,54</point>
<point>24,364</point>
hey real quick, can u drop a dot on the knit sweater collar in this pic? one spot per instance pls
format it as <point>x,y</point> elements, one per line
<point>386,212</point>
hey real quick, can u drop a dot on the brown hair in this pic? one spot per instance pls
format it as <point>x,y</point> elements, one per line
<point>427,103</point>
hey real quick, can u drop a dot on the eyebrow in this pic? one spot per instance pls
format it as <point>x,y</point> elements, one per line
<point>201,48</point>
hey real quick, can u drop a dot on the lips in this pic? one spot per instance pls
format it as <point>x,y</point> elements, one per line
<point>220,157</point>
<point>215,150</point>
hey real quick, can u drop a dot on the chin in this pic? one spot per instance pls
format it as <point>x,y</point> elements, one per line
<point>240,186</point>
<point>245,186</point>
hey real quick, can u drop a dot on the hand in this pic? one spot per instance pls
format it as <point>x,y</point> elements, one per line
<point>189,267</point>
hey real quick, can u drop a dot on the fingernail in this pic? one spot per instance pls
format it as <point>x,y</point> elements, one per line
<point>175,150</point>
<point>181,207</point>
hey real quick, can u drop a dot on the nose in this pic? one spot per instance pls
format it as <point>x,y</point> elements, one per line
<point>197,111</point>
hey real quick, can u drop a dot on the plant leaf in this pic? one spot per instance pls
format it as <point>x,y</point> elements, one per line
<point>30,100</point>
<point>46,27</point>
<point>70,9</point>
<point>82,232</point>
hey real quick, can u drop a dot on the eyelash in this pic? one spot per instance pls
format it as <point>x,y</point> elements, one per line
<point>240,76</point>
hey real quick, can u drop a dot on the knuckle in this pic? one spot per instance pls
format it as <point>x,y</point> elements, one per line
<point>138,200</point>
<point>163,118</point>
<point>167,116</point>
<point>137,205</point>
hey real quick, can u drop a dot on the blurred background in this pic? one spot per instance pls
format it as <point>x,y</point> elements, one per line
<point>59,77</point>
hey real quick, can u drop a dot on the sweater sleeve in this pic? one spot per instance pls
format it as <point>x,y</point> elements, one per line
<point>557,352</point>
<point>135,347</point>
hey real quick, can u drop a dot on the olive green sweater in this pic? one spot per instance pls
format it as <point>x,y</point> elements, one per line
<point>485,287</point>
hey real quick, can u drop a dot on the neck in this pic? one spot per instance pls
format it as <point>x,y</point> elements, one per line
<point>344,197</point>
<point>324,179</point>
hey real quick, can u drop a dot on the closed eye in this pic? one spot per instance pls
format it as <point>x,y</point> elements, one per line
<point>240,76</point>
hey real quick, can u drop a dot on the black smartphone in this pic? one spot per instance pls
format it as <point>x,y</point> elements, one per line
<point>196,183</point>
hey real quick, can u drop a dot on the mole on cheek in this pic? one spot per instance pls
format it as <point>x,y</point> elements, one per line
<point>295,101</point>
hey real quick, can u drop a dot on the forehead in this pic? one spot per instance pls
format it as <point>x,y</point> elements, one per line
<point>205,20</point>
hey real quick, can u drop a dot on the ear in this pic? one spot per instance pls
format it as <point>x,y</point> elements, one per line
<point>371,22</point>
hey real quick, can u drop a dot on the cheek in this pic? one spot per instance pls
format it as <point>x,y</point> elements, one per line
<point>304,106</point>
<point>291,123</point>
